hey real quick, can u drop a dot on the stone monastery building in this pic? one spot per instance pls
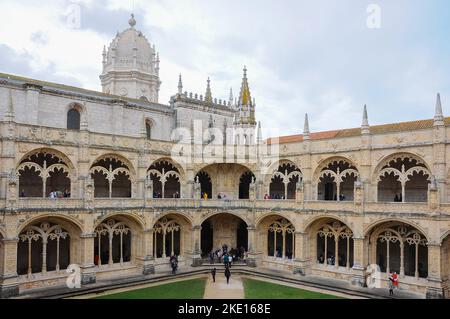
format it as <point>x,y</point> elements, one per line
<point>116,183</point>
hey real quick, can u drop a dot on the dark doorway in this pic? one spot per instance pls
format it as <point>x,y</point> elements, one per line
<point>207,238</point>
<point>242,236</point>
<point>244,185</point>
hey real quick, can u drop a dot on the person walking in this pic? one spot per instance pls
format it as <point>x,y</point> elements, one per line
<point>391,285</point>
<point>213,273</point>
<point>227,274</point>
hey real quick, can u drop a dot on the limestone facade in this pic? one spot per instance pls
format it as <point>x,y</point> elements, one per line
<point>135,192</point>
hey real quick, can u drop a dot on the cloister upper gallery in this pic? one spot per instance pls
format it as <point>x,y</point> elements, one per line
<point>124,197</point>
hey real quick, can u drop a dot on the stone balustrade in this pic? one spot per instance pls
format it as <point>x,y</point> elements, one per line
<point>122,203</point>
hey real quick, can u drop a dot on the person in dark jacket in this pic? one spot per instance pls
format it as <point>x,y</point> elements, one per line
<point>227,274</point>
<point>213,273</point>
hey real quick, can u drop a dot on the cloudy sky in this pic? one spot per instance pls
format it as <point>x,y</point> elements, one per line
<point>324,57</point>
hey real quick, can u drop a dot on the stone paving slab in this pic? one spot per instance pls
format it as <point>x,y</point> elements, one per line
<point>221,290</point>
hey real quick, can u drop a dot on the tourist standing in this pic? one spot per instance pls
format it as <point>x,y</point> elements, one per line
<point>391,285</point>
<point>227,274</point>
<point>213,273</point>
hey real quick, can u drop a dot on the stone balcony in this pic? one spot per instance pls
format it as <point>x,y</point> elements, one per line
<point>39,204</point>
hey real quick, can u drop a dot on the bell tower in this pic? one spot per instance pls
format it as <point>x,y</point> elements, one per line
<point>131,66</point>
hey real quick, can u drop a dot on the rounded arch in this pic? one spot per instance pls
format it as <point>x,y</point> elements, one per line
<point>264,217</point>
<point>205,181</point>
<point>282,180</point>
<point>224,232</point>
<point>402,177</point>
<point>443,237</point>
<point>48,243</point>
<point>398,246</point>
<point>76,224</point>
<point>166,178</point>
<point>394,155</point>
<point>326,161</point>
<point>175,164</point>
<point>118,239</point>
<point>149,126</point>
<point>136,220</point>
<point>331,242</point>
<point>82,111</point>
<point>276,237</point>
<point>205,218</point>
<point>45,171</point>
<point>51,151</point>
<point>179,216</point>
<point>246,181</point>
<point>334,179</point>
<point>116,157</point>
<point>314,220</point>
<point>369,228</point>
<point>172,233</point>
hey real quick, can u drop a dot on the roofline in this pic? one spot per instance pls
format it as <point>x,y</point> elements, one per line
<point>67,89</point>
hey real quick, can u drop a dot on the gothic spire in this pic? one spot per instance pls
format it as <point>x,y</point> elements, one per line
<point>231,98</point>
<point>306,132</point>
<point>439,115</point>
<point>259,134</point>
<point>180,85</point>
<point>208,95</point>
<point>365,128</point>
<point>245,97</point>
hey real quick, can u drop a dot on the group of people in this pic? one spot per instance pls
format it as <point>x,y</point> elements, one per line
<point>159,195</point>
<point>227,274</point>
<point>393,283</point>
<point>276,196</point>
<point>53,194</point>
<point>226,255</point>
<point>331,260</point>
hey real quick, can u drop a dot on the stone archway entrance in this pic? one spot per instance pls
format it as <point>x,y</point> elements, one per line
<point>223,229</point>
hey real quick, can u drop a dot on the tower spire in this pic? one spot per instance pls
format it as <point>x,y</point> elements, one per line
<point>306,132</point>
<point>208,95</point>
<point>231,98</point>
<point>439,115</point>
<point>245,104</point>
<point>180,85</point>
<point>365,128</point>
<point>259,134</point>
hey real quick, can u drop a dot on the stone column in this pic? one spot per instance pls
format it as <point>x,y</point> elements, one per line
<point>434,286</point>
<point>252,247</point>
<point>87,259</point>
<point>197,252</point>
<point>302,260</point>
<point>300,192</point>
<point>146,260</point>
<point>358,277</point>
<point>9,285</point>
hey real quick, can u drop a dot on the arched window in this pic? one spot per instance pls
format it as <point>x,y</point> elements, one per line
<point>73,120</point>
<point>148,130</point>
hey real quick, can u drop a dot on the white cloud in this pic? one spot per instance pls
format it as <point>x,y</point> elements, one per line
<point>303,57</point>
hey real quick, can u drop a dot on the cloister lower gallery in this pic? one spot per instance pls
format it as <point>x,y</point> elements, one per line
<point>324,245</point>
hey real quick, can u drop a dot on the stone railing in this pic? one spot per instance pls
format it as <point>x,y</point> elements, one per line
<point>274,205</point>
